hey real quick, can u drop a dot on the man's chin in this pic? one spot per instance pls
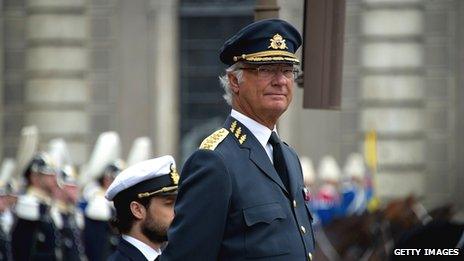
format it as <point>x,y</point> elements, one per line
<point>278,107</point>
<point>155,236</point>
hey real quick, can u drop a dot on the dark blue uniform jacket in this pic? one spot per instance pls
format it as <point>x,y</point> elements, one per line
<point>127,252</point>
<point>232,205</point>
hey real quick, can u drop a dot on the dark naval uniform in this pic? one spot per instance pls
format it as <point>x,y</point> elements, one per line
<point>127,252</point>
<point>34,234</point>
<point>232,204</point>
<point>69,234</point>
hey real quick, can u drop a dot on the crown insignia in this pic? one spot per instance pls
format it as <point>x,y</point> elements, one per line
<point>278,42</point>
<point>174,175</point>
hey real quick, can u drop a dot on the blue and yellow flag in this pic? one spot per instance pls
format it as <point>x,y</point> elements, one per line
<point>370,156</point>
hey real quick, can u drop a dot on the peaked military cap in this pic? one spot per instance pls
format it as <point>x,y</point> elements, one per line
<point>66,176</point>
<point>147,178</point>
<point>114,168</point>
<point>264,41</point>
<point>41,163</point>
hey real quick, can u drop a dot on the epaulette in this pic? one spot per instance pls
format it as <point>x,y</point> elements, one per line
<point>213,140</point>
<point>90,190</point>
<point>79,217</point>
<point>27,208</point>
<point>98,209</point>
<point>7,221</point>
<point>56,217</point>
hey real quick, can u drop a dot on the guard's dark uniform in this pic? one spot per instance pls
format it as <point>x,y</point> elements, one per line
<point>232,205</point>
<point>99,239</point>
<point>34,234</point>
<point>127,252</point>
<point>5,251</point>
<point>69,234</point>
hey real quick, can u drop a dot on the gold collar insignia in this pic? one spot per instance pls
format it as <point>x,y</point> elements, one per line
<point>238,132</point>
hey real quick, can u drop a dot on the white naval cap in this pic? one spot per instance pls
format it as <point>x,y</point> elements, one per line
<point>144,179</point>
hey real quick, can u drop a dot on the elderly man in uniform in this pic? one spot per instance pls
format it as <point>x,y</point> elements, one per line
<point>241,195</point>
<point>144,196</point>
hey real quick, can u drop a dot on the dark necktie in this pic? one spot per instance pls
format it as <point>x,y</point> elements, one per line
<point>279,161</point>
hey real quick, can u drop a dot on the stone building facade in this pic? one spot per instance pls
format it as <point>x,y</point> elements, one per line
<point>76,68</point>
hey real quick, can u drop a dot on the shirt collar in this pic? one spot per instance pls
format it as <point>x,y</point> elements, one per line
<point>147,251</point>
<point>261,132</point>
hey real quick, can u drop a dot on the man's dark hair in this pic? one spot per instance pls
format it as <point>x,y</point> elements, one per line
<point>124,218</point>
<point>100,180</point>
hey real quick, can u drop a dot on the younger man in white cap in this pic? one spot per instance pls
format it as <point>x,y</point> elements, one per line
<point>144,196</point>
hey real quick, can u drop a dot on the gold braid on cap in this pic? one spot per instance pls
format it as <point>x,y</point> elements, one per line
<point>273,55</point>
<point>174,178</point>
<point>163,190</point>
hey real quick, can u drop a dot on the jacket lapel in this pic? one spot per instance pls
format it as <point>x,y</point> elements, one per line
<point>257,153</point>
<point>293,169</point>
<point>130,251</point>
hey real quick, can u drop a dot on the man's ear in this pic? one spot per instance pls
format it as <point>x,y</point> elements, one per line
<point>138,210</point>
<point>233,82</point>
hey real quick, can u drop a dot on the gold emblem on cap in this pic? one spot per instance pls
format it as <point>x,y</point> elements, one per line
<point>174,175</point>
<point>278,42</point>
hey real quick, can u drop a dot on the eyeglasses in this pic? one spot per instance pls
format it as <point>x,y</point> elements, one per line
<point>266,72</point>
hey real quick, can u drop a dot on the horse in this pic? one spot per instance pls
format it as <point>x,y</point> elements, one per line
<point>371,236</point>
<point>438,234</point>
<point>343,238</point>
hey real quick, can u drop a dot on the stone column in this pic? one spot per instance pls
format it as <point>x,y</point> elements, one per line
<point>56,91</point>
<point>393,92</point>
<point>163,43</point>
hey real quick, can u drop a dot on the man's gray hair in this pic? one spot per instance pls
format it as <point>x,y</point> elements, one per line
<point>235,69</point>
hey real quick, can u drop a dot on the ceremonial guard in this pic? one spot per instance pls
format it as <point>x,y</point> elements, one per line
<point>5,219</point>
<point>100,240</point>
<point>7,199</point>
<point>66,217</point>
<point>354,189</point>
<point>328,200</point>
<point>241,194</point>
<point>144,196</point>
<point>34,235</point>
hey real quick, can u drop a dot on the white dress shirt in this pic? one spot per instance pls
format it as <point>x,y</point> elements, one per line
<point>147,251</point>
<point>261,132</point>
